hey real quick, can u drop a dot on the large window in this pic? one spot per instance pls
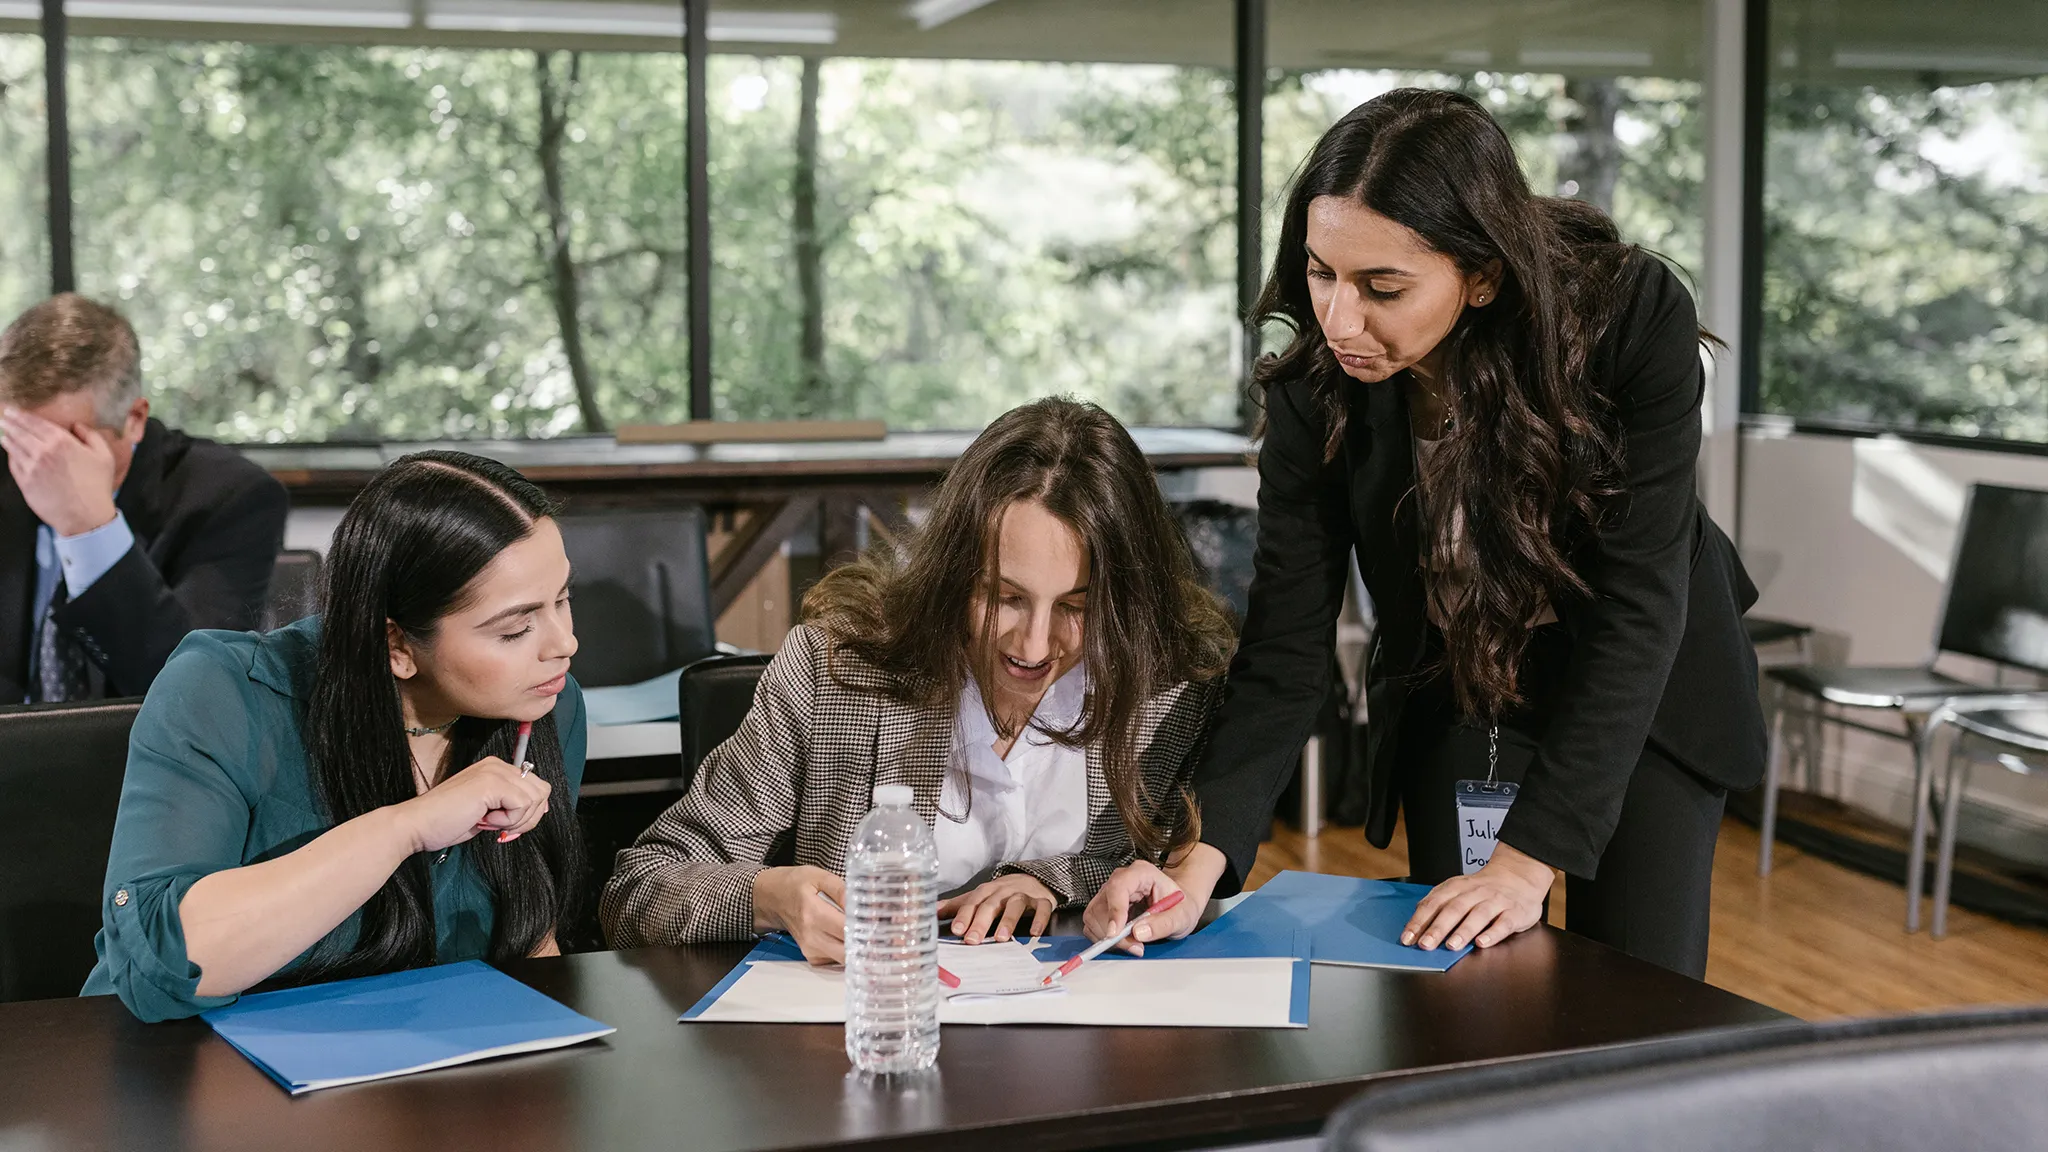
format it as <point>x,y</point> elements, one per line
<point>1906,217</point>
<point>321,242</point>
<point>953,208</point>
<point>24,136</point>
<point>1603,102</point>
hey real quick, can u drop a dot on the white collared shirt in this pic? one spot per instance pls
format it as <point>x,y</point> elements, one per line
<point>1032,805</point>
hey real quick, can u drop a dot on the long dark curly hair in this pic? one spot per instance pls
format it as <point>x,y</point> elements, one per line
<point>1532,459</point>
<point>1151,622</point>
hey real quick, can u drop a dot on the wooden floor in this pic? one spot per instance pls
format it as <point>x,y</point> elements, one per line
<point>1815,939</point>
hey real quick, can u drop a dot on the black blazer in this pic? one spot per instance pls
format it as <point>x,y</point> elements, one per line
<point>1658,654</point>
<point>208,525</point>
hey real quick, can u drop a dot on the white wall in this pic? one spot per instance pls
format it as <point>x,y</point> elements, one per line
<point>1854,536</point>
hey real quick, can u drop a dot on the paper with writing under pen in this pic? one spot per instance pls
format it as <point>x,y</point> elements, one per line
<point>1256,991</point>
<point>998,968</point>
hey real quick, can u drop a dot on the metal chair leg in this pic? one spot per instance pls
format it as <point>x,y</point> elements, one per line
<point>1956,778</point>
<point>1768,827</point>
<point>1312,788</point>
<point>1916,848</point>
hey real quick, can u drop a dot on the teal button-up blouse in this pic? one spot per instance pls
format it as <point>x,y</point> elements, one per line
<point>218,778</point>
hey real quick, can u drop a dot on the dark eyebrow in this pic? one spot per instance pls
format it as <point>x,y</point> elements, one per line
<point>1007,582</point>
<point>523,609</point>
<point>1369,272</point>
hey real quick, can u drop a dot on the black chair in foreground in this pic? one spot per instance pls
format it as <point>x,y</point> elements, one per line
<point>712,697</point>
<point>61,767</point>
<point>643,592</point>
<point>1995,608</point>
<point>1960,1082</point>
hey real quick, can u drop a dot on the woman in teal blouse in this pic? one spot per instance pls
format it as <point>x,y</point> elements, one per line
<point>334,798</point>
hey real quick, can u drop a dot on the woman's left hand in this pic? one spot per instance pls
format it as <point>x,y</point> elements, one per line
<point>1501,899</point>
<point>1008,897</point>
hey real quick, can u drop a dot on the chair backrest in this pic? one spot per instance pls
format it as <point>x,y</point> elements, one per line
<point>643,592</point>
<point>1222,537</point>
<point>60,784</point>
<point>295,588</point>
<point>1960,1082</point>
<point>712,697</point>
<point>1996,603</point>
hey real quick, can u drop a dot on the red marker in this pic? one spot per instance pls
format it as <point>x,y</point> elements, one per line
<point>1171,900</point>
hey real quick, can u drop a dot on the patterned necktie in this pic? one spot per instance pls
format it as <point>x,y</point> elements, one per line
<point>63,671</point>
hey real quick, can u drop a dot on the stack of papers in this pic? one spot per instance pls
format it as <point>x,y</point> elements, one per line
<point>351,1031</point>
<point>774,985</point>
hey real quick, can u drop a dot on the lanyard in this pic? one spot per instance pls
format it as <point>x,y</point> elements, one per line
<point>1492,755</point>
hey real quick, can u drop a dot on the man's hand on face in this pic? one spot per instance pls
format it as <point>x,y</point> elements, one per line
<point>65,474</point>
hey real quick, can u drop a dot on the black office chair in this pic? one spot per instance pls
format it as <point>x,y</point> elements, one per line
<point>643,592</point>
<point>1222,537</point>
<point>295,588</point>
<point>1997,585</point>
<point>1961,1082</point>
<point>60,784</point>
<point>712,697</point>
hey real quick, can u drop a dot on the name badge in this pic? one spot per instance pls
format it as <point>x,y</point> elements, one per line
<point>1481,808</point>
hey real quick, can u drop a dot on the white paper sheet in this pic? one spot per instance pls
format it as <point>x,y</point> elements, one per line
<point>1236,993</point>
<point>1000,968</point>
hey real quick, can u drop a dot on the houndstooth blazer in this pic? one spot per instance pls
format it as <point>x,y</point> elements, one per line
<point>799,774</point>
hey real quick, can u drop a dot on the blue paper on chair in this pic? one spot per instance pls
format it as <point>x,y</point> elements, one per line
<point>648,702</point>
<point>1349,921</point>
<point>350,1031</point>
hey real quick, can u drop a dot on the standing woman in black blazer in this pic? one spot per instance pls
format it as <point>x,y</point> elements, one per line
<point>1496,403</point>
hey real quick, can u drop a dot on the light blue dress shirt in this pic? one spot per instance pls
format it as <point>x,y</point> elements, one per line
<point>80,560</point>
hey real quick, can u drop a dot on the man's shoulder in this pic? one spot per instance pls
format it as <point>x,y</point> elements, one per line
<point>197,470</point>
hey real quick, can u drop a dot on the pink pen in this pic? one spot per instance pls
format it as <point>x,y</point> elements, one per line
<point>1172,899</point>
<point>525,769</point>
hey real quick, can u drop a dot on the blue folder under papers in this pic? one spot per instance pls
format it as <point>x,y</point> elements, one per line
<point>1349,921</point>
<point>350,1031</point>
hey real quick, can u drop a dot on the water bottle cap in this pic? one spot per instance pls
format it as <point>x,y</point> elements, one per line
<point>892,795</point>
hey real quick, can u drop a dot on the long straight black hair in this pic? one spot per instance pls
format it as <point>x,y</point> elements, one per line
<point>406,552</point>
<point>1533,460</point>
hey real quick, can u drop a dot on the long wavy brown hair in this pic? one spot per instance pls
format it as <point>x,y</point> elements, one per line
<point>1532,460</point>
<point>1150,623</point>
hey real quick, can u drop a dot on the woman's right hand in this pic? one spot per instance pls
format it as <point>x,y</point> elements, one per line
<point>787,900</point>
<point>1138,885</point>
<point>489,795</point>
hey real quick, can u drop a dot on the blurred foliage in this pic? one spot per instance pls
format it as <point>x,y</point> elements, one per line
<point>24,133</point>
<point>353,243</point>
<point>1907,273</point>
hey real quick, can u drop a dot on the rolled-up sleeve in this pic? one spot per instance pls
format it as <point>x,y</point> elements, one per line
<point>183,816</point>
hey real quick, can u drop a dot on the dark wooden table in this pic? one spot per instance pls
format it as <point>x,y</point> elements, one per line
<point>82,1074</point>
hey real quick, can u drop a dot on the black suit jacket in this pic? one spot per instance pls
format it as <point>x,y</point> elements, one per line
<point>208,525</point>
<point>1658,654</point>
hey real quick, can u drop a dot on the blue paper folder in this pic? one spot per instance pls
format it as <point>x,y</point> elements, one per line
<point>1349,921</point>
<point>326,1035</point>
<point>647,702</point>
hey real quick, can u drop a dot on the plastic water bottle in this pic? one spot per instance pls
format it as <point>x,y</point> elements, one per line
<point>892,939</point>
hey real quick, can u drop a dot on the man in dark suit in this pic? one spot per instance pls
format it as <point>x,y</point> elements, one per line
<point>118,535</point>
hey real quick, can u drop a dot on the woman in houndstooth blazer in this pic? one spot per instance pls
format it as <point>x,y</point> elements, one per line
<point>1040,668</point>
